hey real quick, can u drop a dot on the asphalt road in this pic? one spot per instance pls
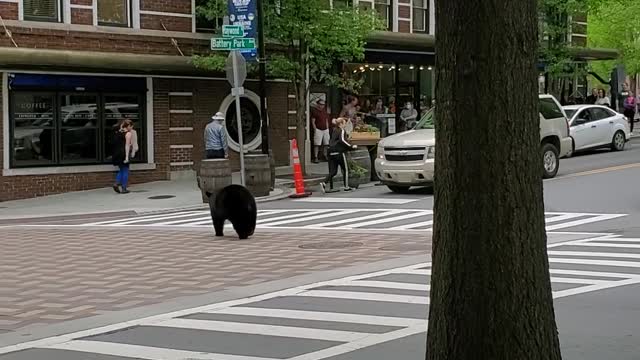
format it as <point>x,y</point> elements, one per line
<point>592,217</point>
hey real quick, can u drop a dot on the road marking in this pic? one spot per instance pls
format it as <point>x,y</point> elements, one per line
<point>592,288</point>
<point>597,171</point>
<point>585,221</point>
<point>349,200</point>
<point>359,218</point>
<point>612,275</point>
<point>388,285</point>
<point>354,295</point>
<point>595,262</point>
<point>144,352</point>
<point>413,226</point>
<point>295,215</point>
<point>318,316</point>
<point>333,213</point>
<point>417,272</point>
<point>387,220</point>
<point>595,254</point>
<point>563,217</point>
<point>616,239</point>
<point>261,329</point>
<point>564,280</point>
<point>148,217</point>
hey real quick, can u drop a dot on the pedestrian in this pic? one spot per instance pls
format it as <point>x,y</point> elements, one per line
<point>591,99</point>
<point>408,117</point>
<point>134,142</point>
<point>603,99</point>
<point>122,150</point>
<point>630,109</point>
<point>215,138</point>
<point>320,123</point>
<point>338,147</point>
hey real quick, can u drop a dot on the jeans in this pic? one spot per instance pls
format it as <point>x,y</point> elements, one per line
<point>122,177</point>
<point>215,154</point>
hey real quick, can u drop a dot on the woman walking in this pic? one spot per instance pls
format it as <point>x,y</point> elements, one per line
<point>338,147</point>
<point>122,150</point>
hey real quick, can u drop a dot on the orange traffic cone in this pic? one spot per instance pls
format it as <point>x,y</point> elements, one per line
<point>297,173</point>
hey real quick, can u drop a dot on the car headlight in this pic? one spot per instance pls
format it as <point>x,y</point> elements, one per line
<point>380,154</point>
<point>431,152</point>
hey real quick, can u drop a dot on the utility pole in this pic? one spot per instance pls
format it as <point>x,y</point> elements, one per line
<point>262,64</point>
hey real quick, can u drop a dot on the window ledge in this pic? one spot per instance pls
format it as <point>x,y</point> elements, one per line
<point>72,169</point>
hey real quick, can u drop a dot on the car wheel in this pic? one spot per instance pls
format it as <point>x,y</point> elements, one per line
<point>550,161</point>
<point>618,141</point>
<point>399,189</point>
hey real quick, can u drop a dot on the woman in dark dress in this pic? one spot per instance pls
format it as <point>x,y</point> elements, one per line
<point>121,152</point>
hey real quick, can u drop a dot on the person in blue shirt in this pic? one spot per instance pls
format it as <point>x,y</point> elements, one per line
<point>215,138</point>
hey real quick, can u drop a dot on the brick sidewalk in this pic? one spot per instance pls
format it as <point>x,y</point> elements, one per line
<point>53,274</point>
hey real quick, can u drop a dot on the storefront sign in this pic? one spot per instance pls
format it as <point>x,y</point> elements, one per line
<point>244,13</point>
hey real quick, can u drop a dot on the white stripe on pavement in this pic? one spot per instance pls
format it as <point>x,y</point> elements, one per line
<point>355,295</point>
<point>563,217</point>
<point>416,272</point>
<point>144,352</point>
<point>149,217</point>
<point>303,218</point>
<point>295,215</point>
<point>207,218</point>
<point>628,264</point>
<point>360,218</point>
<point>594,254</point>
<point>585,221</point>
<point>350,200</point>
<point>612,275</point>
<point>388,220</point>
<point>413,226</point>
<point>318,316</point>
<point>609,245</point>
<point>617,239</point>
<point>565,280</point>
<point>262,329</point>
<point>387,285</point>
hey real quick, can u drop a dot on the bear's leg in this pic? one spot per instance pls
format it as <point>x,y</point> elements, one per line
<point>218,225</point>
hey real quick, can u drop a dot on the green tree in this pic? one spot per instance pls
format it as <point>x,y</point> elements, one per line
<point>612,25</point>
<point>212,10</point>
<point>490,288</point>
<point>312,37</point>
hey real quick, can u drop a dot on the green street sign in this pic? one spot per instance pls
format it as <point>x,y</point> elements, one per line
<point>232,31</point>
<point>233,43</point>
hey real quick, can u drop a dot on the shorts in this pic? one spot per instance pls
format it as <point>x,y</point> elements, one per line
<point>321,137</point>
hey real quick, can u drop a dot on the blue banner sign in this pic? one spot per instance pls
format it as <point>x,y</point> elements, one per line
<point>245,14</point>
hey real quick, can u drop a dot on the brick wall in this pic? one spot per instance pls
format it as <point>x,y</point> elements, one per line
<point>88,41</point>
<point>169,6</point>
<point>82,2</point>
<point>81,16</point>
<point>172,23</point>
<point>9,11</point>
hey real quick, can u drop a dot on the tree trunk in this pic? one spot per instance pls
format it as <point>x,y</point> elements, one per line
<point>301,122</point>
<point>490,290</point>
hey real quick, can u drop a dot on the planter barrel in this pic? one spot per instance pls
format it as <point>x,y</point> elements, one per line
<point>213,175</point>
<point>362,158</point>
<point>257,174</point>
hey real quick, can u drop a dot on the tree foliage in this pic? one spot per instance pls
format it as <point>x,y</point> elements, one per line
<point>612,25</point>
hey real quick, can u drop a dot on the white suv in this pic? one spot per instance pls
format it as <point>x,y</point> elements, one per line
<point>406,159</point>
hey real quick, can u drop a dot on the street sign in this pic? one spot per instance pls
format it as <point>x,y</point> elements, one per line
<point>232,31</point>
<point>233,44</point>
<point>245,13</point>
<point>241,66</point>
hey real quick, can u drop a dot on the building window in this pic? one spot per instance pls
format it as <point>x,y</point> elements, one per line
<point>70,127</point>
<point>210,15</point>
<point>382,7</point>
<point>114,12</point>
<point>420,16</point>
<point>341,4</point>
<point>42,10</point>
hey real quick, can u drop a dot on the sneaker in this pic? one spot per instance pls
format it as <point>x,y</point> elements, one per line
<point>323,187</point>
<point>347,189</point>
<point>116,188</point>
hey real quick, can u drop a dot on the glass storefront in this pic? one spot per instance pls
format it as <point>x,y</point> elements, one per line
<point>68,120</point>
<point>387,89</point>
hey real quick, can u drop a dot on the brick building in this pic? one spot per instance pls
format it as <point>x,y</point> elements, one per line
<point>71,68</point>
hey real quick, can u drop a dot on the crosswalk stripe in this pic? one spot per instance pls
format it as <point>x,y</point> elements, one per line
<point>148,217</point>
<point>261,329</point>
<point>566,280</point>
<point>204,220</point>
<point>413,226</point>
<point>595,254</point>
<point>395,201</point>
<point>563,217</point>
<point>388,285</point>
<point>609,245</point>
<point>294,215</point>
<point>617,239</point>
<point>387,220</point>
<point>318,316</point>
<point>585,221</point>
<point>628,264</point>
<point>144,352</point>
<point>166,217</point>
<point>416,272</point>
<point>613,275</point>
<point>313,217</point>
<point>360,218</point>
<point>353,295</point>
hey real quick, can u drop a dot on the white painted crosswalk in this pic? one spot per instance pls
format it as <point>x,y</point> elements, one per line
<point>321,320</point>
<point>339,219</point>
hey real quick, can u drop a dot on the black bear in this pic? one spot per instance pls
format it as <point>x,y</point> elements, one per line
<point>236,204</point>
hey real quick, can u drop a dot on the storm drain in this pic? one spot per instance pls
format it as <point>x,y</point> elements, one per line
<point>161,197</point>
<point>331,245</point>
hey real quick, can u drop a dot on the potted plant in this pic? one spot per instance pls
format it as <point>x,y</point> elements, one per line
<point>357,174</point>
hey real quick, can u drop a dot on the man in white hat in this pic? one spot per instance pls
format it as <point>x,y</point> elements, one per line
<point>215,138</point>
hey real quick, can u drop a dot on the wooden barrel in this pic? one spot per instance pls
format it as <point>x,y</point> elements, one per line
<point>257,174</point>
<point>362,159</point>
<point>213,175</point>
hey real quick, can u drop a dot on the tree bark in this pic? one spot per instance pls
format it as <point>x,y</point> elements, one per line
<point>490,290</point>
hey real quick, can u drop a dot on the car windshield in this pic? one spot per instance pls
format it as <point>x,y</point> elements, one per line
<point>426,122</point>
<point>570,112</point>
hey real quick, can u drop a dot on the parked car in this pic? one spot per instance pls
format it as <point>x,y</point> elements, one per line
<point>407,159</point>
<point>595,126</point>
